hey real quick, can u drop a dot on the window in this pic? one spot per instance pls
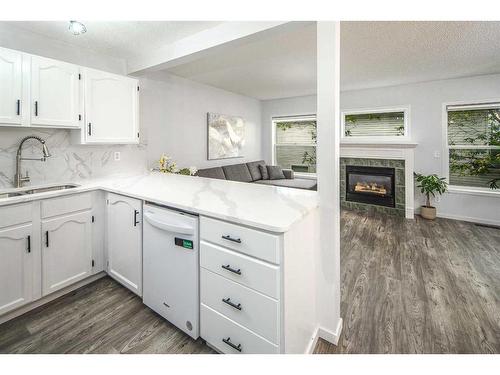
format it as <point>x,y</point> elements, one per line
<point>295,143</point>
<point>388,123</point>
<point>473,141</point>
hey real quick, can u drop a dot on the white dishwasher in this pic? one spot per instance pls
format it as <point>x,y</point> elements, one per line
<point>171,266</point>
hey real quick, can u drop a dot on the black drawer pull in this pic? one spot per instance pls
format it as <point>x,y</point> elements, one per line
<point>228,342</point>
<point>29,244</point>
<point>228,268</point>
<point>47,238</point>
<point>229,238</point>
<point>135,218</point>
<point>228,301</point>
<point>90,129</point>
<point>36,108</point>
<point>18,111</point>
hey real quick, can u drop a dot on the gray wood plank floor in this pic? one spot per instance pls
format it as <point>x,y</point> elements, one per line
<point>407,287</point>
<point>418,286</point>
<point>102,317</point>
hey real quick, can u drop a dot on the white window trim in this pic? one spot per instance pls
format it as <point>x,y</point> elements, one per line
<point>376,139</point>
<point>292,118</point>
<point>445,167</point>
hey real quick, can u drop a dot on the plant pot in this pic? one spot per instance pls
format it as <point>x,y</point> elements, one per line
<point>428,212</point>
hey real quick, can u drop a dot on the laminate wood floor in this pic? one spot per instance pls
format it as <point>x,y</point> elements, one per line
<point>417,286</point>
<point>102,317</point>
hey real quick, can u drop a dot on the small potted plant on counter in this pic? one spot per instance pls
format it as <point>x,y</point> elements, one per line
<point>430,185</point>
<point>167,165</point>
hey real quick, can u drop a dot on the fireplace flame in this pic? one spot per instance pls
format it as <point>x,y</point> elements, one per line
<point>370,188</point>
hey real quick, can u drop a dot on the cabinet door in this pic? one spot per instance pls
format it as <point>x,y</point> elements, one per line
<point>66,250</point>
<point>10,87</point>
<point>16,267</point>
<point>125,241</point>
<point>54,93</point>
<point>111,114</point>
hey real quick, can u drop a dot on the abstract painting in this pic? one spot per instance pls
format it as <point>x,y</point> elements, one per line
<point>226,136</point>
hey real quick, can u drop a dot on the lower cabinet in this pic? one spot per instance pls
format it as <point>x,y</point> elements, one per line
<point>66,250</point>
<point>124,241</point>
<point>16,267</point>
<point>240,290</point>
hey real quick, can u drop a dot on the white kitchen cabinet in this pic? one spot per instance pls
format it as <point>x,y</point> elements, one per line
<point>111,108</point>
<point>55,93</point>
<point>17,247</point>
<point>66,250</point>
<point>11,87</point>
<point>124,241</point>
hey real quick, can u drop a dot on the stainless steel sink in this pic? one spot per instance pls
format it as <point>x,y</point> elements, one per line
<point>45,189</point>
<point>9,195</point>
<point>49,188</point>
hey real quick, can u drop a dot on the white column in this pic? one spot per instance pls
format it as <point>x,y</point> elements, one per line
<point>328,172</point>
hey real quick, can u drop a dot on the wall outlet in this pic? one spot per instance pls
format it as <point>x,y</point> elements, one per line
<point>117,156</point>
<point>437,154</point>
<point>437,198</point>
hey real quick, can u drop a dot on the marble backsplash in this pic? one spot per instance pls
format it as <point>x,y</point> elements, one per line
<point>68,162</point>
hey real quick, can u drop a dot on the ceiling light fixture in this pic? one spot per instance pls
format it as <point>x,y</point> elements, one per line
<point>77,28</point>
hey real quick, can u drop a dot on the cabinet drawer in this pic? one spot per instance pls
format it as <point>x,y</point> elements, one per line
<point>253,273</point>
<point>245,306</point>
<point>215,328</point>
<point>17,214</point>
<point>66,204</point>
<point>245,240</point>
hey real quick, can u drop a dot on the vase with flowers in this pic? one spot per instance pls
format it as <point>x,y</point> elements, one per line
<point>167,165</point>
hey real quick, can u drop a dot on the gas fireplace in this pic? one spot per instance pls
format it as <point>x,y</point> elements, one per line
<point>372,185</point>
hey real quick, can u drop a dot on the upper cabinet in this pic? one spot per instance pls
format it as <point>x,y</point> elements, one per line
<point>111,108</point>
<point>11,87</point>
<point>101,107</point>
<point>54,93</point>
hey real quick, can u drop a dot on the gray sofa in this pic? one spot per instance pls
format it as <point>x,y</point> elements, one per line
<point>251,172</point>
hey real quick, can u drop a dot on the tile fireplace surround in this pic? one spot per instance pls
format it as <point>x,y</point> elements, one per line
<point>394,155</point>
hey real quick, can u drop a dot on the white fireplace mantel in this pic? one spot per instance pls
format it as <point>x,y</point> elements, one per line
<point>387,150</point>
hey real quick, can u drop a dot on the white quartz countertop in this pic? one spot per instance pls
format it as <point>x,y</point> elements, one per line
<point>265,207</point>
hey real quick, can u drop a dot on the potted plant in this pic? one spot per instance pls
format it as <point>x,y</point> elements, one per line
<point>430,185</point>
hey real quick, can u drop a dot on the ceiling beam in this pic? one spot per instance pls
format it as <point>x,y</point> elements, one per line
<point>206,42</point>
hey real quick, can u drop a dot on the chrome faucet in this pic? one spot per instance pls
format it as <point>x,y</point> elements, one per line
<point>18,178</point>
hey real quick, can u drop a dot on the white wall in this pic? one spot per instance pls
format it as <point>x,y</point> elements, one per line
<point>425,101</point>
<point>174,115</point>
<point>300,105</point>
<point>426,122</point>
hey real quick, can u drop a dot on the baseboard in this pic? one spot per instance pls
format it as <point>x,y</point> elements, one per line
<point>332,337</point>
<point>469,219</point>
<point>325,334</point>
<point>33,305</point>
<point>312,343</point>
<point>410,213</point>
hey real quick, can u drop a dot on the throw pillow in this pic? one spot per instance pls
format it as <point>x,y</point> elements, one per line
<point>275,172</point>
<point>263,172</point>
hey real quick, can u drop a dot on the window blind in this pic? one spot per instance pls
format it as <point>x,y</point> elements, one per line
<point>388,124</point>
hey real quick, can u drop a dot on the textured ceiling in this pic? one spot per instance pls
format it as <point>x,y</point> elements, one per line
<point>119,39</point>
<point>373,54</point>
<point>281,65</point>
<point>377,54</point>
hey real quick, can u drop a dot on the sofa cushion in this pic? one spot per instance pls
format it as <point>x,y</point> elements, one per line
<point>254,169</point>
<point>275,172</point>
<point>237,172</point>
<point>216,172</point>
<point>263,172</point>
<point>298,183</point>
<point>289,174</point>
